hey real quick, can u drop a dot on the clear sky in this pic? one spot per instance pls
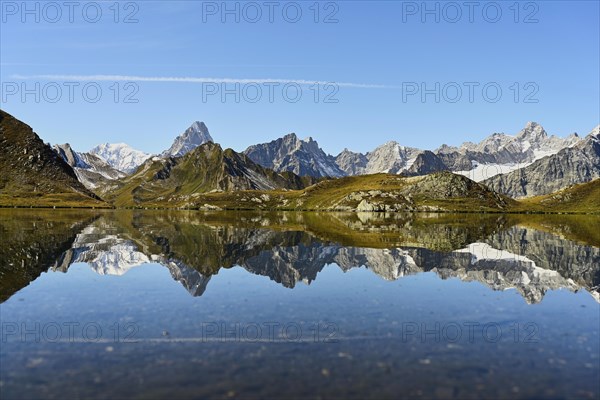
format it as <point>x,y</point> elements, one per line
<point>181,61</point>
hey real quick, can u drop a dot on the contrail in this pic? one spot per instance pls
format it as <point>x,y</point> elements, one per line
<point>134,78</point>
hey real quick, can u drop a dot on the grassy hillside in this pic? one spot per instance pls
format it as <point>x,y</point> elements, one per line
<point>583,198</point>
<point>441,191</point>
<point>33,174</point>
<point>207,168</point>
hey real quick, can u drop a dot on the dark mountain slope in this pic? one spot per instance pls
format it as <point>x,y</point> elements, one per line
<point>32,173</point>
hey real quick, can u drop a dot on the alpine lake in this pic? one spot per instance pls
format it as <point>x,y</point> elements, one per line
<point>187,304</point>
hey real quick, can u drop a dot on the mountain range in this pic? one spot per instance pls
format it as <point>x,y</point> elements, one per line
<point>91,170</point>
<point>302,157</point>
<point>530,163</point>
<point>498,154</point>
<point>206,169</point>
<point>574,164</point>
<point>501,153</point>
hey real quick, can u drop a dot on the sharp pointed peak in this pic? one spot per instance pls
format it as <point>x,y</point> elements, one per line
<point>194,136</point>
<point>64,146</point>
<point>199,125</point>
<point>197,128</point>
<point>389,143</point>
<point>532,129</point>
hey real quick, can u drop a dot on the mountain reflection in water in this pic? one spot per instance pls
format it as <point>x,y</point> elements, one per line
<point>532,254</point>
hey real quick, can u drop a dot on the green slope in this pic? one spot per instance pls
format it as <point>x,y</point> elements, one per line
<point>441,191</point>
<point>208,168</point>
<point>583,198</point>
<point>33,174</point>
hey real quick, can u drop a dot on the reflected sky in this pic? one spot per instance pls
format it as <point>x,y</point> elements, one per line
<point>305,305</point>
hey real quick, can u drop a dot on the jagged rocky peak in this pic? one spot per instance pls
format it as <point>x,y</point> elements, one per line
<point>311,143</point>
<point>66,152</point>
<point>194,136</point>
<point>351,163</point>
<point>291,142</point>
<point>390,149</point>
<point>425,162</point>
<point>445,149</point>
<point>573,137</point>
<point>391,157</point>
<point>289,153</point>
<point>396,148</point>
<point>500,153</point>
<point>574,164</point>
<point>120,156</point>
<point>532,131</point>
<point>90,169</point>
<point>199,126</point>
<point>292,139</point>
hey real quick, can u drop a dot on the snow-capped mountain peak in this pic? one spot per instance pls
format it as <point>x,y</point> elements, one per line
<point>197,134</point>
<point>89,168</point>
<point>501,153</point>
<point>595,132</point>
<point>120,156</point>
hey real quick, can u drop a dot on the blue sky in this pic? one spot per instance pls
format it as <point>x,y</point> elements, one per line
<point>378,55</point>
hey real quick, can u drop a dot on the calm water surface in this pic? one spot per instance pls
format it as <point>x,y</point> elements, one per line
<point>238,305</point>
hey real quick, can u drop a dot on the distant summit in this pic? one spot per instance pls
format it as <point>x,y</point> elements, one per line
<point>194,136</point>
<point>90,169</point>
<point>500,153</point>
<point>120,156</point>
<point>291,154</point>
<point>574,164</point>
